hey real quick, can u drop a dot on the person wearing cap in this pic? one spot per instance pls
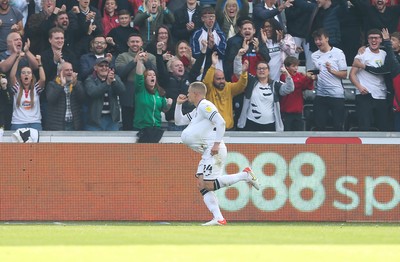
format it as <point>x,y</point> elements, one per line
<point>98,50</point>
<point>102,89</point>
<point>65,96</point>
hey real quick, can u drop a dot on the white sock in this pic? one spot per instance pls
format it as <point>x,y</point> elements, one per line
<point>211,201</point>
<point>229,180</point>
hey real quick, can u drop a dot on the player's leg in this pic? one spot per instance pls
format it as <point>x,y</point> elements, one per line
<point>206,185</point>
<point>246,175</point>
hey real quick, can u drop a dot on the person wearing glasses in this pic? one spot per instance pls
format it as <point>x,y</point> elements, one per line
<point>208,39</point>
<point>261,108</point>
<point>98,48</point>
<point>371,89</point>
<point>102,89</point>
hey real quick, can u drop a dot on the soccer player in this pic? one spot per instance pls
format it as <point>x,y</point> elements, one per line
<point>204,134</point>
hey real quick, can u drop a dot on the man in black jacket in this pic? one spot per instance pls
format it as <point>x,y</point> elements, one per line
<point>187,21</point>
<point>65,97</point>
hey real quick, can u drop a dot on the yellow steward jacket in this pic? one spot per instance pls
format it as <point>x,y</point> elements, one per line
<point>222,99</point>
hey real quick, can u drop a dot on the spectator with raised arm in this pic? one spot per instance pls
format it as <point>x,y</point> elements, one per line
<point>26,90</point>
<point>14,47</point>
<point>150,101</point>
<point>184,53</point>
<point>391,66</point>
<point>175,80</point>
<point>162,35</point>
<point>261,108</point>
<point>221,93</point>
<point>267,9</point>
<point>377,15</point>
<point>151,15</point>
<point>89,25</point>
<point>371,92</point>
<point>293,103</point>
<point>279,44</point>
<point>125,66</point>
<point>39,24</point>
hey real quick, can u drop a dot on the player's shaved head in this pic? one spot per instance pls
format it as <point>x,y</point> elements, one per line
<point>198,87</point>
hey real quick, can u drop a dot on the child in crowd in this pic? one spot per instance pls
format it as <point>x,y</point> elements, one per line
<point>110,16</point>
<point>292,104</point>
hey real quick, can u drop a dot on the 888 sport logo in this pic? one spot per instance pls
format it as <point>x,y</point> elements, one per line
<point>299,181</point>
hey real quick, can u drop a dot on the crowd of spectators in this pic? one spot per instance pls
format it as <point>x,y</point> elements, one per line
<point>121,64</point>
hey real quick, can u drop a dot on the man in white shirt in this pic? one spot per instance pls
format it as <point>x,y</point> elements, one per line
<point>371,89</point>
<point>204,134</point>
<point>331,63</point>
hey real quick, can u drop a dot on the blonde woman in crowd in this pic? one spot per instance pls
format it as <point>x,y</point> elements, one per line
<point>184,53</point>
<point>228,12</point>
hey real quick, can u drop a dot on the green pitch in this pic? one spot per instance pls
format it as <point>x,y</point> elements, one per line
<point>190,242</point>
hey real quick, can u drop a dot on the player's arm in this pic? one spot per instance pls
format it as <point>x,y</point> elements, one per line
<point>219,123</point>
<point>181,119</point>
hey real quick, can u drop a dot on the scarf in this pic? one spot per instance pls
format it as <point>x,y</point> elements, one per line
<point>58,81</point>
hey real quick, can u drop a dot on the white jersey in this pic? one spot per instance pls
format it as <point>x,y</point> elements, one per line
<point>327,84</point>
<point>375,84</point>
<point>25,112</point>
<point>275,62</point>
<point>262,105</point>
<point>205,126</point>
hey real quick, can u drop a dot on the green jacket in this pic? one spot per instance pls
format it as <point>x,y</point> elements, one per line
<point>148,106</point>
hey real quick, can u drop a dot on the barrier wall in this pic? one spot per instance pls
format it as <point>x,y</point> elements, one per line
<point>155,182</point>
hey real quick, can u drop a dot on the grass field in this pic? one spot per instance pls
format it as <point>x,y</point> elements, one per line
<point>252,242</point>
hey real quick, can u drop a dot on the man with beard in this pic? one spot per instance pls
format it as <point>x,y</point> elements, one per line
<point>65,96</point>
<point>221,93</point>
<point>70,27</point>
<point>98,50</point>
<point>254,51</point>
<point>10,21</point>
<point>245,38</point>
<point>125,66</point>
<point>378,15</point>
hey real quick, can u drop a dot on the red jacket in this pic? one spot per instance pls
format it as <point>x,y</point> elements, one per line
<point>396,87</point>
<point>293,102</point>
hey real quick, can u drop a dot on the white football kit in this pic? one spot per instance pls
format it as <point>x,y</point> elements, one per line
<point>205,126</point>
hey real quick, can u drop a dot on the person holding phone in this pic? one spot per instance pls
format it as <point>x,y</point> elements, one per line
<point>329,99</point>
